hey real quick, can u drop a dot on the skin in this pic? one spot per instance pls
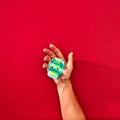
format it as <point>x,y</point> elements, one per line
<point>70,107</point>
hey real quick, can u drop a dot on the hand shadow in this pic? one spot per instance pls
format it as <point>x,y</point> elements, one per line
<point>97,86</point>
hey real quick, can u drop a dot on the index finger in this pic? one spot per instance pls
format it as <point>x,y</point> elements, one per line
<point>57,52</point>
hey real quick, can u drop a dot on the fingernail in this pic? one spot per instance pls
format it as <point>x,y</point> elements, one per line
<point>44,59</point>
<point>51,45</point>
<point>42,66</point>
<point>44,49</point>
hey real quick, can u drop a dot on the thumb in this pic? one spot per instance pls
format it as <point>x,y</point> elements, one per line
<point>70,61</point>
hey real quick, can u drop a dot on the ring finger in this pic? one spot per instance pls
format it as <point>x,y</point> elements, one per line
<point>47,58</point>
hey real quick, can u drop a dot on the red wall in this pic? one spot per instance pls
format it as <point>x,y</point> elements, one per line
<point>91,29</point>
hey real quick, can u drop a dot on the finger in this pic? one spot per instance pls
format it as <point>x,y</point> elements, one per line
<point>70,61</point>
<point>47,58</point>
<point>49,52</point>
<point>57,52</point>
<point>45,65</point>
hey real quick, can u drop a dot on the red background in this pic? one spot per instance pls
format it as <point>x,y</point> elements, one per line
<point>91,29</point>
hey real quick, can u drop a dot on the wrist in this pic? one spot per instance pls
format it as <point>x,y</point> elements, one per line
<point>65,85</point>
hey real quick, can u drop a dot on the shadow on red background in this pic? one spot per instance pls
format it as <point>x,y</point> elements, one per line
<point>98,85</point>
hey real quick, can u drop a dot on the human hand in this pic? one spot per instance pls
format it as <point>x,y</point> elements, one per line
<point>53,52</point>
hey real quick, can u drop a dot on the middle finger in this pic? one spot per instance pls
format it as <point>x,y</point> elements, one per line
<point>49,52</point>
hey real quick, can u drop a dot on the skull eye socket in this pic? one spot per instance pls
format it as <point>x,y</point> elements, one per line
<point>51,67</point>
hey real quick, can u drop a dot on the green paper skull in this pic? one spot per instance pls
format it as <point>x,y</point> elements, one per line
<point>55,67</point>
